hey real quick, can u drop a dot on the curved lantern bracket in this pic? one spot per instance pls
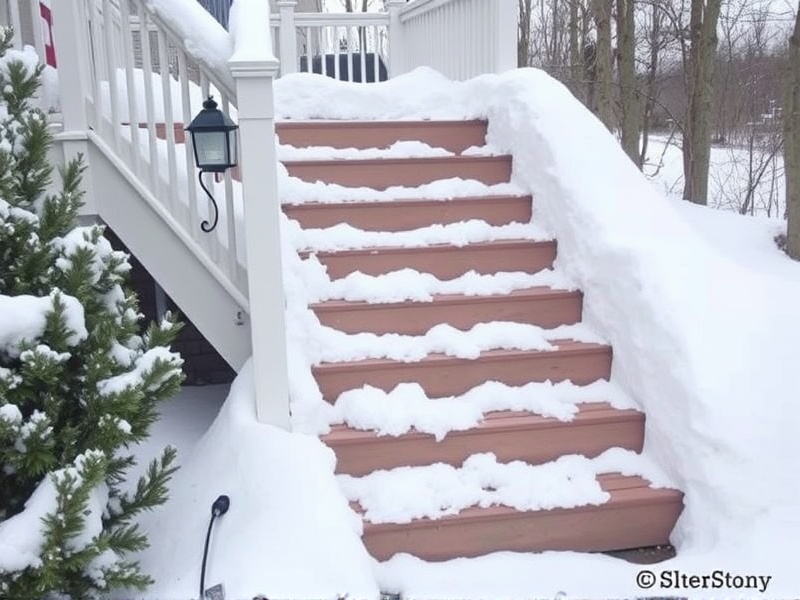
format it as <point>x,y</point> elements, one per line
<point>215,145</point>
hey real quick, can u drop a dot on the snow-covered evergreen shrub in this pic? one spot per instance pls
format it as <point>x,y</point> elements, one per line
<point>79,382</point>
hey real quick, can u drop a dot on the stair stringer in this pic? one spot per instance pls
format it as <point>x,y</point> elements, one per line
<point>203,293</point>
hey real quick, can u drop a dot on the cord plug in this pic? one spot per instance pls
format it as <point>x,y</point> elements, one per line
<point>220,506</point>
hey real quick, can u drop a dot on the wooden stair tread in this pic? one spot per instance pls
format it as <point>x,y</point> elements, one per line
<point>635,515</point>
<point>398,161</point>
<point>289,124</point>
<point>511,244</point>
<point>412,213</point>
<point>571,347</point>
<point>509,435</point>
<point>496,420</point>
<point>541,306</point>
<point>383,173</point>
<point>444,261</point>
<point>449,299</point>
<point>624,490</point>
<point>455,136</point>
<point>402,202</point>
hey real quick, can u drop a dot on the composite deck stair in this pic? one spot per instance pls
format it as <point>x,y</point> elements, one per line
<point>635,513</point>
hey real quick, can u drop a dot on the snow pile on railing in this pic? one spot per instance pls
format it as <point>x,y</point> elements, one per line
<point>250,30</point>
<point>203,38</point>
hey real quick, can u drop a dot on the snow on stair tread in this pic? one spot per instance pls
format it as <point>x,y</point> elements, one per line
<point>343,236</point>
<point>414,213</point>
<point>407,408</point>
<point>411,285</point>
<point>501,419</point>
<point>294,190</point>
<point>399,149</point>
<point>455,298</point>
<point>403,494</point>
<point>505,243</point>
<point>331,346</point>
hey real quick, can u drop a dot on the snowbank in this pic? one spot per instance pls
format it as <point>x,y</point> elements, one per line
<point>289,532</point>
<point>704,340</point>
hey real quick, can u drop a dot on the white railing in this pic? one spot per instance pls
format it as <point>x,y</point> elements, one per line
<point>459,38</point>
<point>346,46</point>
<point>140,88</point>
<point>133,75</point>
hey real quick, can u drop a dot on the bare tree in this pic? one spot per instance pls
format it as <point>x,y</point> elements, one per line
<point>603,72</point>
<point>577,38</point>
<point>699,86</point>
<point>653,43</point>
<point>524,38</point>
<point>630,121</point>
<point>791,133</point>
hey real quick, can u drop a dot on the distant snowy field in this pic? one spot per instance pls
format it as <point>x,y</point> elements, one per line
<point>733,169</point>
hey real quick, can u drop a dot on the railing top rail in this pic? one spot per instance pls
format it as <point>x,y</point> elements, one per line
<point>420,7</point>
<point>340,19</point>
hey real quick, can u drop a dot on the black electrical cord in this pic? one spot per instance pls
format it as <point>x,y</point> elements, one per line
<point>219,508</point>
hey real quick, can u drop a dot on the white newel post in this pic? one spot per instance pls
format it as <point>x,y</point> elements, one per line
<point>287,36</point>
<point>259,170</point>
<point>396,62</point>
<point>70,37</point>
<point>505,37</point>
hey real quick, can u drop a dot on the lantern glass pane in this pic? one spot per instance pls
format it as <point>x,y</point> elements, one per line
<point>233,141</point>
<point>211,148</point>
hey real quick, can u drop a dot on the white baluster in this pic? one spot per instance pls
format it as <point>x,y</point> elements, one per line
<point>111,72</point>
<point>288,37</point>
<point>396,48</point>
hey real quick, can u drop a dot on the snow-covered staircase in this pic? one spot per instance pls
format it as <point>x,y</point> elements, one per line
<point>569,481</point>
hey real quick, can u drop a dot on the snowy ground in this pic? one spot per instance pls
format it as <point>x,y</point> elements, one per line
<point>699,305</point>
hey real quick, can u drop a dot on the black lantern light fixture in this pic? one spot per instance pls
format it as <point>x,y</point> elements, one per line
<point>214,139</point>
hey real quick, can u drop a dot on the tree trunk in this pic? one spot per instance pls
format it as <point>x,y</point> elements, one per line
<point>650,84</point>
<point>699,87</point>
<point>630,123</point>
<point>576,67</point>
<point>791,149</point>
<point>603,62</point>
<point>524,39</point>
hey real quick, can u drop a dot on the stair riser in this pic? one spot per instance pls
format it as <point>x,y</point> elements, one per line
<point>445,262</point>
<point>416,318</point>
<point>614,526</point>
<point>404,216</point>
<point>535,445</point>
<point>457,376</point>
<point>411,172</point>
<point>452,136</point>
